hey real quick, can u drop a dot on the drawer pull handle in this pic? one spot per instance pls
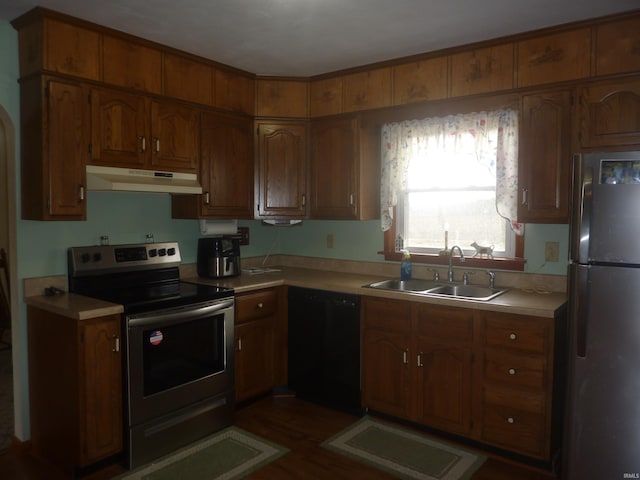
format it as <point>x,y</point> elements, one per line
<point>513,336</point>
<point>511,420</point>
<point>420,364</point>
<point>404,356</point>
<point>512,371</point>
<point>239,344</point>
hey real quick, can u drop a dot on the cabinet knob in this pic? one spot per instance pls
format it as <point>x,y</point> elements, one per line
<point>143,143</point>
<point>116,343</point>
<point>420,364</point>
<point>157,140</point>
<point>511,420</point>
<point>81,194</point>
<point>207,198</point>
<point>513,336</point>
<point>512,371</point>
<point>260,305</point>
<point>239,344</point>
<point>404,356</point>
<point>525,195</point>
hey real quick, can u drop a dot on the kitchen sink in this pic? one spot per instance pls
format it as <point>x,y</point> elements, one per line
<point>413,285</point>
<point>431,287</point>
<point>475,292</point>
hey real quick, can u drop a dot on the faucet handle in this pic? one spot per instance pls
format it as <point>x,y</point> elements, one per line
<point>465,277</point>
<point>492,278</point>
<point>436,274</point>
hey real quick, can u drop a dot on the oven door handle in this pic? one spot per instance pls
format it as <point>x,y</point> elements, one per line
<point>179,316</point>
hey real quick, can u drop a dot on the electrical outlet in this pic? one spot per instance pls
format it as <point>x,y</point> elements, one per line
<point>330,240</point>
<point>551,251</point>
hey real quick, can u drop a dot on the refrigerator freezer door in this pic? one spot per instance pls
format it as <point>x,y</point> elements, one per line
<point>602,435</point>
<point>607,223</point>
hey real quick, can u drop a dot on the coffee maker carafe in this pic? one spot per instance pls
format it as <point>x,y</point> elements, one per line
<point>218,257</point>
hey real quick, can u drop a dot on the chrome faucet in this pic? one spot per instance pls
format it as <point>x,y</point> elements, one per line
<point>450,274</point>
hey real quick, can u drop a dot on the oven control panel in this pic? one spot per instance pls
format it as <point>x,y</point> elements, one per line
<point>108,258</point>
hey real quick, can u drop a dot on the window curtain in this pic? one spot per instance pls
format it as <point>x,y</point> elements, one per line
<point>493,136</point>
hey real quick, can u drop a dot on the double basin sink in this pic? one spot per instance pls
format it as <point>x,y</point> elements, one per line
<point>437,288</point>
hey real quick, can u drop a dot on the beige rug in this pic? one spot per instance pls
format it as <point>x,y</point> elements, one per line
<point>404,453</point>
<point>229,454</point>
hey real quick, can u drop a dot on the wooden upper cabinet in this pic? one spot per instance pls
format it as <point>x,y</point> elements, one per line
<point>282,98</point>
<point>234,92</point>
<point>226,171</point>
<point>420,81</point>
<point>334,161</point>
<point>129,130</point>
<point>57,47</point>
<point>544,160</point>
<point>119,135</point>
<point>325,96</point>
<point>175,136</point>
<point>554,58</point>
<point>54,145</point>
<point>482,70</point>
<point>610,113</point>
<point>131,65</point>
<point>282,169</point>
<point>187,79</point>
<point>618,47</point>
<point>367,90</point>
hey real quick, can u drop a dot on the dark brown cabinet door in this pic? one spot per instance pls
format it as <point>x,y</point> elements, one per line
<point>101,389</point>
<point>386,367</point>
<point>175,137</point>
<point>610,114</point>
<point>119,135</point>
<point>544,162</point>
<point>54,146</point>
<point>254,358</point>
<point>226,169</point>
<point>282,169</point>
<point>334,160</point>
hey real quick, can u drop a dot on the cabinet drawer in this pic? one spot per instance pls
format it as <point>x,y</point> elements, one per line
<point>531,336</point>
<point>514,429</point>
<point>523,370</point>
<point>256,305</point>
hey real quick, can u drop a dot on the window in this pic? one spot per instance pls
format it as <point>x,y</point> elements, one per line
<point>454,182</point>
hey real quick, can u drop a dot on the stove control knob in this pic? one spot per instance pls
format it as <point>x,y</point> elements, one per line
<point>162,252</point>
<point>171,251</point>
<point>97,257</point>
<point>85,258</point>
<point>153,252</point>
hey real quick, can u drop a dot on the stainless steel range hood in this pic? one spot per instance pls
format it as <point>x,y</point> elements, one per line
<point>133,180</point>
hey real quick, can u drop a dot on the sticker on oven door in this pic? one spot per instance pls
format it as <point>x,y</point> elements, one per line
<point>155,338</point>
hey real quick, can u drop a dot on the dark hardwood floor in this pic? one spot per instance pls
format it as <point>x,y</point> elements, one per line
<point>301,427</point>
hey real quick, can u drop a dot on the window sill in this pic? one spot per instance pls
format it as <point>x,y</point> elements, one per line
<point>498,263</point>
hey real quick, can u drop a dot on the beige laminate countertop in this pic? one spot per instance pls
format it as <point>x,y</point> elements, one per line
<point>513,301</point>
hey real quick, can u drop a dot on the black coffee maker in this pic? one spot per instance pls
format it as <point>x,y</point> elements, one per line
<point>218,257</point>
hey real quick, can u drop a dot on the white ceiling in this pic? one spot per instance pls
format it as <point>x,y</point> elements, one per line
<point>311,37</point>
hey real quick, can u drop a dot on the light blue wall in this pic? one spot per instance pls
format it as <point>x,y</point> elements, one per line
<point>128,217</point>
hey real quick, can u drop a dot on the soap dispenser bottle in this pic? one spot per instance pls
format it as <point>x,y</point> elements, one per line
<point>405,266</point>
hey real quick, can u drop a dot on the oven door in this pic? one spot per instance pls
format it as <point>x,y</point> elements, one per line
<point>178,357</point>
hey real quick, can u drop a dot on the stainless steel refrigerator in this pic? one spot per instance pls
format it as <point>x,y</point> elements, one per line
<point>602,429</point>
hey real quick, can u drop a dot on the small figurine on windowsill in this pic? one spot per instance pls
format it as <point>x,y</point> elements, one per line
<point>483,252</point>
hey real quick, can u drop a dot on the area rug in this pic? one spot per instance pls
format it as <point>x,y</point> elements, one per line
<point>229,454</point>
<point>403,453</point>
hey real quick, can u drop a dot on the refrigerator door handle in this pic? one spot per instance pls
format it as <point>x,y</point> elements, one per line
<point>582,203</point>
<point>577,307</point>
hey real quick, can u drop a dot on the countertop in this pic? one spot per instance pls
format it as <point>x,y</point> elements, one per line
<point>513,301</point>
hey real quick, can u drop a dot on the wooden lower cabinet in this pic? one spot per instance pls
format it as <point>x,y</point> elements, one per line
<point>483,375</point>
<point>75,386</point>
<point>256,336</point>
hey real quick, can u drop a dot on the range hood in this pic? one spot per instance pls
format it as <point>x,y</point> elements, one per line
<point>133,180</point>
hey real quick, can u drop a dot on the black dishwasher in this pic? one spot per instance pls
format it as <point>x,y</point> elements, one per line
<point>324,347</point>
